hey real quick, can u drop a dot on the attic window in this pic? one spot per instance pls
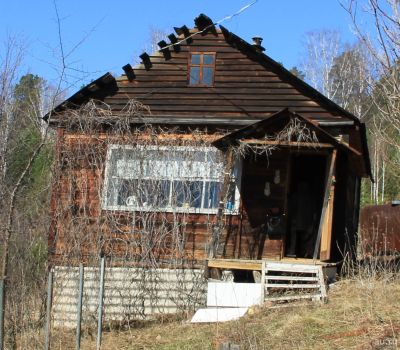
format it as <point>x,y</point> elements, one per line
<point>201,69</point>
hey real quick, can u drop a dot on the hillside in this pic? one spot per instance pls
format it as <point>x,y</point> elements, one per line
<point>360,314</point>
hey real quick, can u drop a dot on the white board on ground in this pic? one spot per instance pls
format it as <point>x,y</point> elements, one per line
<point>231,294</point>
<point>218,314</point>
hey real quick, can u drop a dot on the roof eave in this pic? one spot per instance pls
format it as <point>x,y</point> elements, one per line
<point>97,89</point>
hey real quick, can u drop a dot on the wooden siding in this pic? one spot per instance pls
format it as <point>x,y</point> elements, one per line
<point>80,222</point>
<point>252,241</point>
<point>244,90</point>
<point>243,87</point>
<point>81,229</point>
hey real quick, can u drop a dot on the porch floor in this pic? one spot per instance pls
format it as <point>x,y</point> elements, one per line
<point>243,264</point>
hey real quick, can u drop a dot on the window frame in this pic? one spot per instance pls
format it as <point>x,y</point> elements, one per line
<point>236,181</point>
<point>201,65</point>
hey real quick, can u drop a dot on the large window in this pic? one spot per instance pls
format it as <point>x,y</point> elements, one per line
<point>167,179</point>
<point>201,69</point>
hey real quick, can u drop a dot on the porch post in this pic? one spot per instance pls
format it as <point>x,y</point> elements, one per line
<point>327,207</point>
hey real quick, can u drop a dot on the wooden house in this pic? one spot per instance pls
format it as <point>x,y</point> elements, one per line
<point>276,174</point>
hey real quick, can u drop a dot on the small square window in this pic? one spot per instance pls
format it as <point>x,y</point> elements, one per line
<point>208,75</point>
<point>195,59</point>
<point>202,69</point>
<point>208,59</point>
<point>195,76</point>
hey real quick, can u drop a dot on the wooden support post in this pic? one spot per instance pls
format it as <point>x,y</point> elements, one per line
<point>322,282</point>
<point>325,210</point>
<point>326,236</point>
<point>101,300</point>
<point>47,330</point>
<point>217,228</point>
<point>263,273</point>
<point>79,311</point>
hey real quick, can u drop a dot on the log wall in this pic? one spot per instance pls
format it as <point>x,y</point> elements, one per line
<point>243,88</point>
<point>82,230</point>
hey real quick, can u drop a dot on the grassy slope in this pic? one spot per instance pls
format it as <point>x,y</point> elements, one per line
<point>360,314</point>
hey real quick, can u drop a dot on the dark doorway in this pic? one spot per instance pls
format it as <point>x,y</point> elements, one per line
<point>305,197</point>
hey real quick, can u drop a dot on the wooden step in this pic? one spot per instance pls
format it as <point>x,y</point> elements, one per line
<point>288,285</point>
<point>289,267</point>
<point>296,282</point>
<point>294,297</point>
<point>291,278</point>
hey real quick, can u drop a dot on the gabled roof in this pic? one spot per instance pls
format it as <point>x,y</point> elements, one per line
<point>135,84</point>
<point>276,123</point>
<point>205,26</point>
<point>97,89</point>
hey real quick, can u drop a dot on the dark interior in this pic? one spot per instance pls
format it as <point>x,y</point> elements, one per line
<point>305,197</point>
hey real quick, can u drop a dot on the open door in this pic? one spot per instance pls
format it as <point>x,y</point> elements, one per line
<point>305,200</point>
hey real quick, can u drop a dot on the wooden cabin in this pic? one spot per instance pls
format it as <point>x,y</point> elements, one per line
<point>276,174</point>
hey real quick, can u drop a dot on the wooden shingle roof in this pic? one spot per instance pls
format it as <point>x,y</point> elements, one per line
<point>249,86</point>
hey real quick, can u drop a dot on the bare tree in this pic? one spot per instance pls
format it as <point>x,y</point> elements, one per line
<point>9,66</point>
<point>151,45</point>
<point>322,47</point>
<point>351,76</point>
<point>342,72</point>
<point>351,80</point>
<point>24,191</point>
<point>383,45</point>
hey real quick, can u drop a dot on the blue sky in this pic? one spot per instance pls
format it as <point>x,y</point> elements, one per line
<point>115,32</point>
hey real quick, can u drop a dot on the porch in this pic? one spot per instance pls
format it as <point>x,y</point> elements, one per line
<point>277,282</point>
<point>298,194</point>
<point>285,274</point>
<point>256,265</point>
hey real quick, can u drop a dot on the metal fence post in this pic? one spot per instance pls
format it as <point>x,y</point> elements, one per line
<point>48,311</point>
<point>101,299</point>
<point>2,312</point>
<point>79,313</point>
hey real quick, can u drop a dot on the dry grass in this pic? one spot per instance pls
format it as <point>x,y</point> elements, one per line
<point>360,314</point>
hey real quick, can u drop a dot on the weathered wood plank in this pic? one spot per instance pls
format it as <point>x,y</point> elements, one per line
<point>331,165</point>
<point>186,95</point>
<point>288,144</point>
<point>239,84</point>
<point>289,267</point>
<point>275,89</point>
<point>217,102</point>
<point>181,70</point>
<point>225,109</point>
<point>219,78</point>
<point>235,264</point>
<point>294,297</point>
<point>291,278</point>
<point>291,285</point>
